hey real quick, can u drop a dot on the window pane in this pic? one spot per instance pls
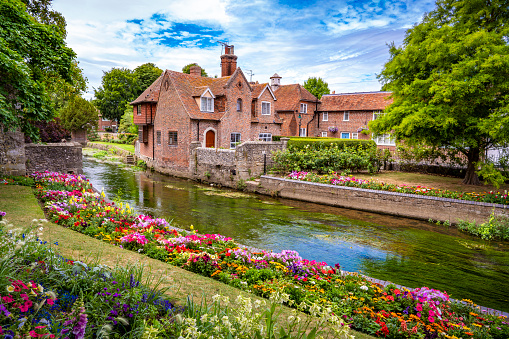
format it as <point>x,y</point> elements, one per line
<point>346,116</point>
<point>172,139</point>
<point>324,134</point>
<point>325,116</point>
<point>345,135</point>
<point>158,137</point>
<point>234,140</point>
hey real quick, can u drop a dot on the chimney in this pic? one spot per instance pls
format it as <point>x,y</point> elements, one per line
<point>195,71</point>
<point>228,61</point>
<point>333,92</point>
<point>275,82</point>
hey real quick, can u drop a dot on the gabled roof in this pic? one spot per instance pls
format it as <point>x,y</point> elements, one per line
<point>363,101</point>
<point>289,97</point>
<point>151,94</point>
<point>258,90</point>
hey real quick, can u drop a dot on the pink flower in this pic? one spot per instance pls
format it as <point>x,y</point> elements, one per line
<point>419,314</point>
<point>50,301</point>
<point>418,307</point>
<point>431,319</point>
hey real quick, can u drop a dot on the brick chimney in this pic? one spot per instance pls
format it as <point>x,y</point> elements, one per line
<point>195,71</point>
<point>228,61</point>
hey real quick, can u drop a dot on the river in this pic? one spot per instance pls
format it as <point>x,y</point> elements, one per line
<point>408,252</point>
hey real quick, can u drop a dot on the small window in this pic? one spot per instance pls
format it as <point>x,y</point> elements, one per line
<point>304,108</point>
<point>234,140</point>
<point>138,109</point>
<point>143,134</point>
<point>346,116</point>
<point>172,139</point>
<point>265,108</point>
<point>239,104</point>
<point>324,134</point>
<point>376,114</point>
<point>158,137</point>
<point>302,132</point>
<point>207,104</point>
<point>325,116</point>
<point>385,139</point>
<point>345,135</point>
<point>265,137</point>
<point>355,135</point>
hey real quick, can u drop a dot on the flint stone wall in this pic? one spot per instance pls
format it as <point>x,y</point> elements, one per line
<point>54,157</point>
<point>392,203</point>
<point>12,153</point>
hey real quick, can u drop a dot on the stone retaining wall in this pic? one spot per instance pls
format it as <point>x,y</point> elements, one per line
<point>399,204</point>
<point>54,157</point>
<point>12,153</point>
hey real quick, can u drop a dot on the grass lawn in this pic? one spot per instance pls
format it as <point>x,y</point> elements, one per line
<point>22,207</point>
<point>129,148</point>
<point>428,180</point>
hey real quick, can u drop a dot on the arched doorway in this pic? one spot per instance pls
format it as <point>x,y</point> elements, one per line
<point>210,139</point>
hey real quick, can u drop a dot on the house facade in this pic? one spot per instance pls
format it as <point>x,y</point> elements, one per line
<point>347,115</point>
<point>179,109</point>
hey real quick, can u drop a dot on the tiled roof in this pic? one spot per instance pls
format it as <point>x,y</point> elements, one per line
<point>151,94</point>
<point>289,97</point>
<point>365,101</point>
<point>258,89</point>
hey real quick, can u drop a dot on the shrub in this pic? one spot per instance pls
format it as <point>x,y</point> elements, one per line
<point>325,143</point>
<point>50,131</point>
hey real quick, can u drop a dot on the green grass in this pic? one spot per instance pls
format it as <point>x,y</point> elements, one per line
<point>22,207</point>
<point>129,148</point>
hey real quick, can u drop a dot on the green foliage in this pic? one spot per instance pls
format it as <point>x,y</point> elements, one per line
<point>187,69</point>
<point>322,143</point>
<point>31,53</point>
<point>490,174</point>
<point>316,86</point>
<point>241,185</point>
<point>497,227</point>
<point>42,12</point>
<point>449,80</point>
<point>119,88</point>
<point>145,75</point>
<point>126,124</point>
<point>330,159</point>
<point>79,114</point>
<point>276,138</point>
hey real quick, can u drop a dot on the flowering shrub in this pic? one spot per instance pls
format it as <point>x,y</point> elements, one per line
<point>367,306</point>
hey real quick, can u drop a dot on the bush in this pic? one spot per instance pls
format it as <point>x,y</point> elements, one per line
<point>50,131</point>
<point>325,143</point>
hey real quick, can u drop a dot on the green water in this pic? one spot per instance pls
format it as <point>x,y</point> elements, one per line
<point>407,252</point>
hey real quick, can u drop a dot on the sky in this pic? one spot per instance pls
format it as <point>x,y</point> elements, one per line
<point>343,42</point>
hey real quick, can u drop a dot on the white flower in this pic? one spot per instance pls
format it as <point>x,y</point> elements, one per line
<point>364,288</point>
<point>216,297</point>
<point>10,289</point>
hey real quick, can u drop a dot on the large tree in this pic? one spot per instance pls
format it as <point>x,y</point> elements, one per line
<point>119,87</point>
<point>146,74</point>
<point>79,114</point>
<point>316,86</point>
<point>449,80</point>
<point>30,53</point>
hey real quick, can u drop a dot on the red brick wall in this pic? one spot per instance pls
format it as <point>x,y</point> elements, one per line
<point>356,120</point>
<point>266,122</point>
<point>146,110</point>
<point>101,126</point>
<point>292,122</point>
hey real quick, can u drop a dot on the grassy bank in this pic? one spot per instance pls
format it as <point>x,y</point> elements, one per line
<point>22,207</point>
<point>129,148</point>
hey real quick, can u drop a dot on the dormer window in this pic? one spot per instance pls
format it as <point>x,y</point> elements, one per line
<point>207,104</point>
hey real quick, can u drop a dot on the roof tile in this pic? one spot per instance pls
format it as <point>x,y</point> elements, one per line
<point>364,101</point>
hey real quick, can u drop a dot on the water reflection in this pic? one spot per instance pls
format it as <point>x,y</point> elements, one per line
<point>407,252</point>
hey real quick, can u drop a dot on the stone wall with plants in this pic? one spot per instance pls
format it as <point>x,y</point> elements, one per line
<point>12,153</point>
<point>55,157</point>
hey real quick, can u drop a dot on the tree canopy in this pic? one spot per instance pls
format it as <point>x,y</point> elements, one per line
<point>449,80</point>
<point>187,69</point>
<point>41,10</point>
<point>316,86</point>
<point>79,114</point>
<point>119,88</point>
<point>30,54</point>
<point>145,75</point>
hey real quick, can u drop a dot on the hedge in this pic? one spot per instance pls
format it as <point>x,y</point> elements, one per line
<point>298,143</point>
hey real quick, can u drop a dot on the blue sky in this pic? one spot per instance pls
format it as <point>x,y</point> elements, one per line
<point>343,42</point>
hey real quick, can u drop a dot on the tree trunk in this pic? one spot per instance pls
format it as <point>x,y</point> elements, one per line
<point>471,178</point>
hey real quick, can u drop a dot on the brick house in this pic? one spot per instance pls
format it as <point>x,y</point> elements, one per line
<point>296,107</point>
<point>347,115</point>
<point>103,123</point>
<point>178,109</point>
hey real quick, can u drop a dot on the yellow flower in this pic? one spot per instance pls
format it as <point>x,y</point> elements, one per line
<point>10,289</point>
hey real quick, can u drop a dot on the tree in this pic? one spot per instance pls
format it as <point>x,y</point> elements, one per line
<point>79,114</point>
<point>42,12</point>
<point>119,88</point>
<point>449,81</point>
<point>126,124</point>
<point>187,69</point>
<point>317,87</point>
<point>30,53</point>
<point>145,75</point>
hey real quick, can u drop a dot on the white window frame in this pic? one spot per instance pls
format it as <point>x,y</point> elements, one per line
<point>325,116</point>
<point>267,109</point>
<point>355,135</point>
<point>302,132</point>
<point>159,137</point>
<point>377,114</point>
<point>303,108</point>
<point>207,104</point>
<point>345,133</point>
<point>346,116</point>
<point>234,143</point>
<point>265,136</point>
<point>324,134</point>
<point>384,140</point>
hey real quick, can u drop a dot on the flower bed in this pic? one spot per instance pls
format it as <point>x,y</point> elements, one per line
<point>342,180</point>
<point>382,311</point>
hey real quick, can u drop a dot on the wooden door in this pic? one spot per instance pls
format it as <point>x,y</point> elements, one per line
<point>210,139</point>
